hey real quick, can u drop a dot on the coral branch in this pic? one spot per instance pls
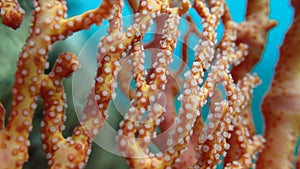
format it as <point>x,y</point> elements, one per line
<point>45,31</point>
<point>60,152</point>
<point>11,12</point>
<point>281,105</point>
<point>85,20</point>
<point>253,32</point>
<point>156,131</point>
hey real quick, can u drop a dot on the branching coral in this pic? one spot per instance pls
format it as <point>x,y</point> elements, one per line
<point>183,137</point>
<point>49,26</point>
<point>281,104</point>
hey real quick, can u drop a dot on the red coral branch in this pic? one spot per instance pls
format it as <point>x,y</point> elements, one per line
<point>11,12</point>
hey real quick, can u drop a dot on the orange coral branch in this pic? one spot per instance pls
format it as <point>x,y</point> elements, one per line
<point>11,12</point>
<point>60,152</point>
<point>30,73</point>
<point>281,105</point>
<point>253,32</point>
<point>185,140</point>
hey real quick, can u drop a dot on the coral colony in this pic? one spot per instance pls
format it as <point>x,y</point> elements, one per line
<point>227,137</point>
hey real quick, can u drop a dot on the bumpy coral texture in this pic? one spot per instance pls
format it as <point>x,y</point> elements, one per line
<point>188,141</point>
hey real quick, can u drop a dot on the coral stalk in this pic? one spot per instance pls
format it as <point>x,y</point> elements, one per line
<point>48,27</point>
<point>219,76</point>
<point>281,104</point>
<point>12,13</point>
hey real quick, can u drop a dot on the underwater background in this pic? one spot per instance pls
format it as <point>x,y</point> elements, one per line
<point>11,43</point>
